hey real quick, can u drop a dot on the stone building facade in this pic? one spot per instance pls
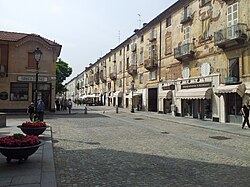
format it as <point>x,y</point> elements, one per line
<point>192,60</point>
<point>18,70</point>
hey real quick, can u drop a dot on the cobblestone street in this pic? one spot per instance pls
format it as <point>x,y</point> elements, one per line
<point>109,149</point>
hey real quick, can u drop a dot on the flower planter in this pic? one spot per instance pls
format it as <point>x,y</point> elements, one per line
<point>20,153</point>
<point>32,130</point>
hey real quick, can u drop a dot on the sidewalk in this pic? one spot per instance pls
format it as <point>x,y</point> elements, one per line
<point>231,128</point>
<point>37,171</point>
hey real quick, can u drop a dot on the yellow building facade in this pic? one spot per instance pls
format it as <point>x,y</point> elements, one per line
<point>192,60</point>
<point>18,70</point>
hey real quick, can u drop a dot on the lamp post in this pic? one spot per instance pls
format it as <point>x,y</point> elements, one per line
<point>132,89</point>
<point>37,55</point>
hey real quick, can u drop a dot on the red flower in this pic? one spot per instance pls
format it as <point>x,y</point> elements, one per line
<point>34,124</point>
<point>19,140</point>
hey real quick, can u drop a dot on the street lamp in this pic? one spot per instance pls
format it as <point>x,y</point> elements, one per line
<point>132,89</point>
<point>37,54</point>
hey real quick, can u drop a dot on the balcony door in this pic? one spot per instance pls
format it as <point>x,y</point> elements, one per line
<point>234,69</point>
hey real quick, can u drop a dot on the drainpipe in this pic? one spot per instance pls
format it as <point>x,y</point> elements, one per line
<point>123,78</point>
<point>159,69</point>
<point>160,53</point>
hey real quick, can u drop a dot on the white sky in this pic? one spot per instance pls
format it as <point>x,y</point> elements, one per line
<point>86,29</point>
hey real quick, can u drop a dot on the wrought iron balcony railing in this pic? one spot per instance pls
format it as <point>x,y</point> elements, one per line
<point>231,36</point>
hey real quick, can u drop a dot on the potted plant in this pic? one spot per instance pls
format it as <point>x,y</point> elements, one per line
<point>19,146</point>
<point>33,128</point>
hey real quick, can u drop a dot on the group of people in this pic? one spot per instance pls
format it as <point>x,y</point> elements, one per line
<point>245,114</point>
<point>63,104</point>
<point>39,115</point>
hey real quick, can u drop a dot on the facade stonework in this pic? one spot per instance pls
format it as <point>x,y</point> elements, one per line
<point>192,60</point>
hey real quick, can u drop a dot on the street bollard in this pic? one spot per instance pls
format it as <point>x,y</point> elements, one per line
<point>85,110</point>
<point>116,108</point>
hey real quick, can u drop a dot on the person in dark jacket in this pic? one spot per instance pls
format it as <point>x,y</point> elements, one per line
<point>245,113</point>
<point>31,111</point>
<point>40,110</point>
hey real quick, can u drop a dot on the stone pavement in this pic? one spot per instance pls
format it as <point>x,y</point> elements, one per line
<point>37,171</point>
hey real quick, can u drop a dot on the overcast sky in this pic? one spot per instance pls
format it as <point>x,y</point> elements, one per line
<point>86,29</point>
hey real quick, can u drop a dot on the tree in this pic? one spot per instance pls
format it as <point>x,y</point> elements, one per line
<point>62,72</point>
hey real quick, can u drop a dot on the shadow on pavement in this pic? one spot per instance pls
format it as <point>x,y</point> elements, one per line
<point>104,167</point>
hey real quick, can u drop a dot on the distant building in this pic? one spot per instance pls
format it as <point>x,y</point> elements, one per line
<point>18,70</point>
<point>192,60</point>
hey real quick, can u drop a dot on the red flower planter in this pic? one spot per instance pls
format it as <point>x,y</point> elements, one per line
<point>19,146</point>
<point>20,153</point>
<point>33,128</point>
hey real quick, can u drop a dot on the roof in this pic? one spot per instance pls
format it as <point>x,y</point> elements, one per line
<point>15,36</point>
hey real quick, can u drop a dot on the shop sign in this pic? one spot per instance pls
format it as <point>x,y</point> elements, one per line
<point>170,87</point>
<point>3,95</point>
<point>31,79</point>
<point>196,85</point>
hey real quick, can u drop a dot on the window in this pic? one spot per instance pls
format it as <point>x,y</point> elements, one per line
<point>185,73</point>
<point>31,60</point>
<point>205,69</point>
<point>19,91</point>
<point>109,70</point>
<point>168,21</point>
<point>142,38</point>
<point>141,78</point>
<point>186,31</point>
<point>120,52</point>
<point>152,75</point>
<point>206,28</point>
<point>128,47</point>
<point>186,12</point>
<point>127,63</point>
<point>203,2</point>
<point>120,83</point>
<point>232,18</point>
<point>234,69</point>
<point>133,59</point>
<point>120,66</point>
<point>141,57</point>
<point>168,44</point>
<point>110,58</point>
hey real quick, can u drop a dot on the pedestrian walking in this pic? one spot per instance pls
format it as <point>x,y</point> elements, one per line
<point>69,105</point>
<point>245,114</point>
<point>40,110</point>
<point>31,111</point>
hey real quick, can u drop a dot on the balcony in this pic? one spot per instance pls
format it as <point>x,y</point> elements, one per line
<point>132,69</point>
<point>153,36</point>
<point>184,52</point>
<point>112,76</point>
<point>233,36</point>
<point>231,80</point>
<point>186,18</point>
<point>96,78</point>
<point>151,63</point>
<point>103,76</point>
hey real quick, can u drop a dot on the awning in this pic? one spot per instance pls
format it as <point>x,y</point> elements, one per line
<point>134,94</point>
<point>196,93</point>
<point>88,96</point>
<point>238,88</point>
<point>117,94</point>
<point>166,94</point>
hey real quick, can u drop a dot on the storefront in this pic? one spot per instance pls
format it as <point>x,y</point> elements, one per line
<point>196,100</point>
<point>231,100</point>
<point>165,99</point>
